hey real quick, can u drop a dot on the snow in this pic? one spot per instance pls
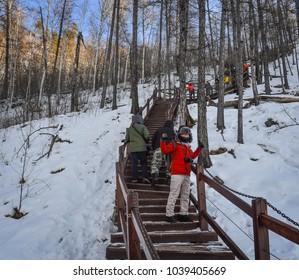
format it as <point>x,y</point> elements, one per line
<point>70,193</point>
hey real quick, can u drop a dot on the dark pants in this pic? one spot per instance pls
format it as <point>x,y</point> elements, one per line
<point>142,157</point>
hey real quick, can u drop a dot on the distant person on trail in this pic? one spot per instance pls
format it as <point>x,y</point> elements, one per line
<point>137,137</point>
<point>158,156</point>
<point>182,157</point>
<point>245,75</point>
<point>191,90</point>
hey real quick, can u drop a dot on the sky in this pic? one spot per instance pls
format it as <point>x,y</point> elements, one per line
<point>70,193</point>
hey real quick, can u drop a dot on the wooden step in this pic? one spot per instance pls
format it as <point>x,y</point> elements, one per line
<point>165,226</point>
<point>194,236</point>
<point>194,251</point>
<point>151,193</point>
<point>155,201</point>
<point>161,208</point>
<point>142,186</point>
<point>160,217</point>
<point>201,251</point>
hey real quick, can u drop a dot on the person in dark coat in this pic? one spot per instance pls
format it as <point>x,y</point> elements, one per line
<point>158,156</point>
<point>137,137</point>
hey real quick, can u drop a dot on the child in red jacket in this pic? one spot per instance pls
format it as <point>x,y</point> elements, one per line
<point>182,156</point>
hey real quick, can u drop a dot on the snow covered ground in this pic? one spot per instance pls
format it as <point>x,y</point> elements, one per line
<point>70,193</point>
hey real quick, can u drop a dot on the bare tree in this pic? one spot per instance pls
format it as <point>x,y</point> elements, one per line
<point>253,51</point>
<point>183,16</point>
<point>53,77</point>
<point>202,128</point>
<point>108,56</point>
<point>220,107</point>
<point>238,62</point>
<point>45,57</point>
<point>160,49</point>
<point>76,77</point>
<point>134,61</point>
<point>7,25</point>
<point>297,15</point>
<point>114,105</point>
<point>265,46</point>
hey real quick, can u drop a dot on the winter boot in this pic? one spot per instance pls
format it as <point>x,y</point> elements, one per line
<point>154,179</point>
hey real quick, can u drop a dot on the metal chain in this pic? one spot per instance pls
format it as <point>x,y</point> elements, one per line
<point>255,197</point>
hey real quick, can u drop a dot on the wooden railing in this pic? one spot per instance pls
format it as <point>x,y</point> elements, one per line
<point>175,99</point>
<point>129,220</point>
<point>145,110</point>
<point>262,222</point>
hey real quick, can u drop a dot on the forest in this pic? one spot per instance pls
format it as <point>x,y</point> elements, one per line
<point>54,54</point>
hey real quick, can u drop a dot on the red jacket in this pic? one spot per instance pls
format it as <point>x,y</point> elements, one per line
<point>179,152</point>
<point>190,87</point>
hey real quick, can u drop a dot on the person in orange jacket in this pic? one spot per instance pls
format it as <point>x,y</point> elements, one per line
<point>182,157</point>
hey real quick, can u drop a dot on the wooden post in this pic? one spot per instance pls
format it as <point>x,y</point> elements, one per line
<point>119,203</point>
<point>261,234</point>
<point>201,197</point>
<point>134,251</point>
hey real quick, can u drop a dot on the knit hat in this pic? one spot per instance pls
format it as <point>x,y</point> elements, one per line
<point>137,119</point>
<point>169,123</point>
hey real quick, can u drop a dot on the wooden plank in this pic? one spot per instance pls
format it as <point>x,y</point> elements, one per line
<point>205,251</point>
<point>193,236</point>
<point>164,226</point>
<point>283,229</point>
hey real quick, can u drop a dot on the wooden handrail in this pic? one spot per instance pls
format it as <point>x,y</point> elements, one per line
<point>173,106</point>
<point>262,222</point>
<point>280,228</point>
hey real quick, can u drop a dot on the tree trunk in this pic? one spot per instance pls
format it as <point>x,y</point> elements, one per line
<point>282,45</point>
<point>114,103</point>
<point>213,52</point>
<point>202,128</point>
<point>8,8</point>
<point>265,47</point>
<point>168,27</point>
<point>76,77</point>
<point>183,14</point>
<point>297,15</point>
<point>53,79</point>
<point>134,61</point>
<point>160,51</point>
<point>220,108</point>
<point>45,59</point>
<point>253,52</point>
<point>107,60</point>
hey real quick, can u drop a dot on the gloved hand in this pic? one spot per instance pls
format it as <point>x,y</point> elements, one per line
<point>164,136</point>
<point>200,145</point>
<point>188,159</point>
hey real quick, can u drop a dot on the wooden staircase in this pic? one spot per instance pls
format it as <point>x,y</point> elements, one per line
<point>181,240</point>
